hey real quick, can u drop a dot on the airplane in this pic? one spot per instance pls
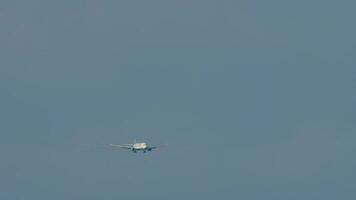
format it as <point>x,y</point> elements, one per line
<point>135,147</point>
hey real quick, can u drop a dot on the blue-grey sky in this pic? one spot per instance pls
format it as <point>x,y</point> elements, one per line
<point>255,99</point>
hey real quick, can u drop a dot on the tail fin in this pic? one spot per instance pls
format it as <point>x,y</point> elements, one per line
<point>134,141</point>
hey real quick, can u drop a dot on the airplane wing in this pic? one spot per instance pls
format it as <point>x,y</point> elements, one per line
<point>155,147</point>
<point>123,146</point>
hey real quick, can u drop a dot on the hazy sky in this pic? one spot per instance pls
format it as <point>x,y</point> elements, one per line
<point>255,99</point>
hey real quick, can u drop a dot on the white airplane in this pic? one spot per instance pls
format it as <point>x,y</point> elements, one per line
<point>135,147</point>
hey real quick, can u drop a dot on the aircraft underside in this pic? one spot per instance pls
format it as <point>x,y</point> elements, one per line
<point>143,150</point>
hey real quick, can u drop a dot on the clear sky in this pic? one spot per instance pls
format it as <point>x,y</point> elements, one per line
<point>255,99</point>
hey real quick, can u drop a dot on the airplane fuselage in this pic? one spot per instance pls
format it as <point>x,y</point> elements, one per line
<point>140,147</point>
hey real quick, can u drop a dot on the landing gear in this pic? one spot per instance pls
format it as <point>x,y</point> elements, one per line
<point>134,151</point>
<point>144,151</point>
